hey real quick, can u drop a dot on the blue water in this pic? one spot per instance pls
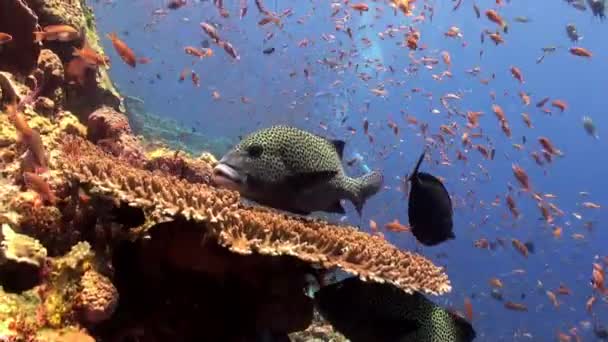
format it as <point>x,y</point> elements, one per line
<point>276,97</point>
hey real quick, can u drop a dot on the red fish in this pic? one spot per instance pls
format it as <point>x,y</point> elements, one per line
<point>517,74</point>
<point>581,52</point>
<point>123,50</point>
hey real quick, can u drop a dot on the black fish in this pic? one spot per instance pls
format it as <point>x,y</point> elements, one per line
<point>268,51</point>
<point>429,209</point>
<point>374,312</point>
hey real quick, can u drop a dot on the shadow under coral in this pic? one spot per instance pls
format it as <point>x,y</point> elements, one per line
<point>173,287</point>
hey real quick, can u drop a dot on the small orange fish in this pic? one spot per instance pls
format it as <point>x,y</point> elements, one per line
<point>468,309</point>
<point>453,31</point>
<point>361,7</point>
<point>591,205</point>
<point>504,125</point>
<point>517,74</point>
<point>482,243</point>
<point>62,33</point>
<point>557,232</point>
<point>497,19</point>
<point>589,303</point>
<point>91,57</point>
<point>512,207</point>
<point>559,104</point>
<point>447,130</point>
<point>473,118</point>
<point>5,38</point>
<point>525,98</point>
<point>29,136</point>
<point>496,38</point>
<point>581,52</point>
<point>447,59</point>
<point>412,39</point>
<point>196,80</point>
<point>396,227</point>
<point>516,306</point>
<point>563,290</point>
<point>496,283</point>
<point>123,50</point>
<point>373,226</point>
<point>270,19</point>
<point>553,298</point>
<point>200,53</point>
<point>144,60</point>
<point>38,184</point>
<point>548,146</point>
<point>526,119</point>
<point>545,212</point>
<point>521,176</point>
<point>520,247</point>
<point>500,114</point>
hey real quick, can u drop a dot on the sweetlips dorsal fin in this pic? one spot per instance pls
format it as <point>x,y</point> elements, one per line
<point>339,146</point>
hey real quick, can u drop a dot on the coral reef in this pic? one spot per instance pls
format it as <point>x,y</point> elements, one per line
<point>106,241</point>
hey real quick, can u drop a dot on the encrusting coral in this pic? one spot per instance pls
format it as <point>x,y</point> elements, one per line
<point>251,230</point>
<point>98,298</point>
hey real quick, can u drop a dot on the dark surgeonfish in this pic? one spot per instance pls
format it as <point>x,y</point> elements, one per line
<point>293,170</point>
<point>429,208</point>
<point>374,312</point>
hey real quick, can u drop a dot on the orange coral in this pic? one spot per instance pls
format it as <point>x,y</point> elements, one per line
<point>247,230</point>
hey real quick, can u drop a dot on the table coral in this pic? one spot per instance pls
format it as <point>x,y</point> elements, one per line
<point>253,230</point>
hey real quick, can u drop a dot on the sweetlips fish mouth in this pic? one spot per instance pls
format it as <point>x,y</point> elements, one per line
<point>227,176</point>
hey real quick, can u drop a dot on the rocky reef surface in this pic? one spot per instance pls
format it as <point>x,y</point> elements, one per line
<point>103,238</point>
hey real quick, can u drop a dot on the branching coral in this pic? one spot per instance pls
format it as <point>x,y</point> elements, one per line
<point>180,165</point>
<point>252,230</point>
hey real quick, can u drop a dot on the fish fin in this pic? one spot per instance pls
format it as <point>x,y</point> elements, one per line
<point>368,185</point>
<point>415,172</point>
<point>339,146</point>
<point>465,328</point>
<point>336,208</point>
<point>308,179</point>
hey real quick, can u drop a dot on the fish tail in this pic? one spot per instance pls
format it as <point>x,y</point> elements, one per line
<point>38,36</point>
<point>367,186</point>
